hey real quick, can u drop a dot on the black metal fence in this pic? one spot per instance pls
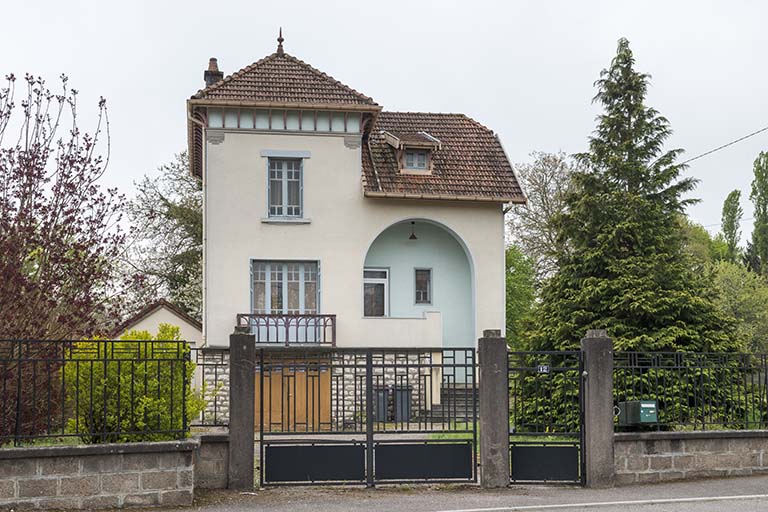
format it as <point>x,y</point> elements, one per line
<point>695,391</point>
<point>399,415</point>
<point>211,382</point>
<point>546,416</point>
<point>93,391</point>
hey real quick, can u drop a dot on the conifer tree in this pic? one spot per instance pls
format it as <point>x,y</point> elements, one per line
<point>730,222</point>
<point>625,268</point>
<point>759,197</point>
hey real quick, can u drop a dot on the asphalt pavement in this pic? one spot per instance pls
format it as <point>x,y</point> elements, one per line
<point>744,494</point>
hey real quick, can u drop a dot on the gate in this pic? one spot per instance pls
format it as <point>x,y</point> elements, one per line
<point>546,417</point>
<point>366,416</point>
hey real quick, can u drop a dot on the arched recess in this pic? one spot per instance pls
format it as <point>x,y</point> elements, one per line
<point>441,250</point>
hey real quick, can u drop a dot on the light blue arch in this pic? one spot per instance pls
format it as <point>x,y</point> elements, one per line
<point>453,282</point>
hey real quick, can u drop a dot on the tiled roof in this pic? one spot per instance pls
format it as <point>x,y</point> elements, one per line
<point>282,78</point>
<point>470,164</point>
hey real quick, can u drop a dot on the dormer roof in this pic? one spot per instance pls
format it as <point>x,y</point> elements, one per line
<point>282,79</point>
<point>469,165</point>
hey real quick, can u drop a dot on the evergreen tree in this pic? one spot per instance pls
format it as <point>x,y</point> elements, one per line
<point>759,198</point>
<point>625,267</point>
<point>520,285</point>
<point>731,220</point>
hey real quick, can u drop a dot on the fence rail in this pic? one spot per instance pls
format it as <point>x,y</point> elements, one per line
<point>696,391</point>
<point>94,391</point>
<point>212,383</point>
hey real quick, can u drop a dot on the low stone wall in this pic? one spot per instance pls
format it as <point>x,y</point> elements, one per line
<point>98,476</point>
<point>212,462</point>
<point>663,456</point>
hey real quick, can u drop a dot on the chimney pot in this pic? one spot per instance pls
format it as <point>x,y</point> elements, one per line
<point>212,74</point>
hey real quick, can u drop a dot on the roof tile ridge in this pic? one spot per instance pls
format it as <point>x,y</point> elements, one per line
<point>329,77</point>
<point>237,74</point>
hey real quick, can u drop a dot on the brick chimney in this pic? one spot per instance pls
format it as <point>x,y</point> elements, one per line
<point>212,74</point>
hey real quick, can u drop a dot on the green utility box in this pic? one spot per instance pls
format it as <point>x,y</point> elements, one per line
<point>638,412</point>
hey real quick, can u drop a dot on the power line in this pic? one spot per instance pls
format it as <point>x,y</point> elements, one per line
<point>724,146</point>
<point>720,223</point>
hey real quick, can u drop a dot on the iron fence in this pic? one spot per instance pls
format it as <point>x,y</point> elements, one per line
<point>695,391</point>
<point>93,391</point>
<point>211,382</point>
<point>383,415</point>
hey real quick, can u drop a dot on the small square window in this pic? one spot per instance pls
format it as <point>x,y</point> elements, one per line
<point>423,286</point>
<point>415,159</point>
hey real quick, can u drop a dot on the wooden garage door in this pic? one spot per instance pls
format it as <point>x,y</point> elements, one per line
<point>297,398</point>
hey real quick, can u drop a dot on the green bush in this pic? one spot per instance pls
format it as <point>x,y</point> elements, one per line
<point>128,390</point>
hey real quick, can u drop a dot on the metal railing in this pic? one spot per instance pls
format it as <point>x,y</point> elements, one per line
<point>290,329</point>
<point>212,384</point>
<point>95,391</point>
<point>696,391</point>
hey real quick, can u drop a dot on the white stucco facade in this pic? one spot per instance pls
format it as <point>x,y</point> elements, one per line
<point>340,227</point>
<point>164,315</point>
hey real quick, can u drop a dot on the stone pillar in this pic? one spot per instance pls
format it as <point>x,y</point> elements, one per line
<point>242,358</point>
<point>494,410</point>
<point>597,351</point>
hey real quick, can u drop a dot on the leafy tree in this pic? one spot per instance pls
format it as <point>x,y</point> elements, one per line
<point>702,248</point>
<point>142,386</point>
<point>730,224</point>
<point>167,216</point>
<point>759,198</point>
<point>520,294</point>
<point>625,267</point>
<point>59,232</point>
<point>532,226</point>
<point>743,295</point>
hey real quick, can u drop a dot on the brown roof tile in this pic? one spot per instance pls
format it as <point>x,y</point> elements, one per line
<point>470,165</point>
<point>282,78</point>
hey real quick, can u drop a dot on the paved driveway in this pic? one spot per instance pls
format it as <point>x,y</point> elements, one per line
<point>744,494</point>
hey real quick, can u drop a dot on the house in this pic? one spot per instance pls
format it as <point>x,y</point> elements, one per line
<point>159,312</point>
<point>331,221</point>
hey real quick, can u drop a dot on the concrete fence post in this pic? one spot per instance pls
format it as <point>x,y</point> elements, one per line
<point>494,410</point>
<point>242,359</point>
<point>597,352</point>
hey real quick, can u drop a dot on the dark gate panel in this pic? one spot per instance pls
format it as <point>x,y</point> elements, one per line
<point>314,463</point>
<point>546,416</point>
<point>404,461</point>
<point>545,463</point>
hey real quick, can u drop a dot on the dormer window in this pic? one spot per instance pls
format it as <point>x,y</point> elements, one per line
<point>416,159</point>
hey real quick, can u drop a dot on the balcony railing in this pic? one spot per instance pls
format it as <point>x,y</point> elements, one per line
<point>288,329</point>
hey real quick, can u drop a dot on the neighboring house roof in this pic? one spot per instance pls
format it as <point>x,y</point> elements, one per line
<point>282,79</point>
<point>469,165</point>
<point>148,310</point>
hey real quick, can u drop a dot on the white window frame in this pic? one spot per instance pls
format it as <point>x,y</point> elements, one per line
<point>415,166</point>
<point>284,190</point>
<point>283,264</point>
<point>377,280</point>
<point>429,288</point>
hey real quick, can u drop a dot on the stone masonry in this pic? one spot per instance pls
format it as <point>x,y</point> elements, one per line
<point>98,476</point>
<point>663,456</point>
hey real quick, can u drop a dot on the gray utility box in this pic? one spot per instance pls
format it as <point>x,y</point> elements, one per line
<point>392,403</point>
<point>634,413</point>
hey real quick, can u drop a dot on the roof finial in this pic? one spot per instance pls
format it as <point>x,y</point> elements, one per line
<point>280,42</point>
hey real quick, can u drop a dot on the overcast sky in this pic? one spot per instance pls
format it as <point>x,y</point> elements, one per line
<point>523,68</point>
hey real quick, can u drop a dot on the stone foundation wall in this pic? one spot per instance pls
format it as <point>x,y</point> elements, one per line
<point>98,476</point>
<point>212,461</point>
<point>663,456</point>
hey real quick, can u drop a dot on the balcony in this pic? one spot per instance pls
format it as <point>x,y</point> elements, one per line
<point>290,329</point>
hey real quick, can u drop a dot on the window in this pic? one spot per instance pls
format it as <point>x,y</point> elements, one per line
<point>423,281</point>
<point>285,187</point>
<point>415,159</point>
<point>289,287</point>
<point>376,292</point>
